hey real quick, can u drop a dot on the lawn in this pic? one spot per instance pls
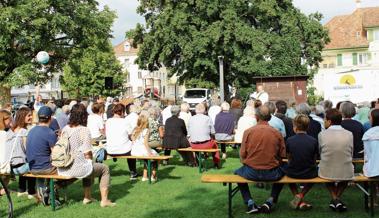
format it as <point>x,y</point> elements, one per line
<point>179,193</point>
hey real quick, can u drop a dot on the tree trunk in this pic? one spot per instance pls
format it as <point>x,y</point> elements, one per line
<point>5,95</point>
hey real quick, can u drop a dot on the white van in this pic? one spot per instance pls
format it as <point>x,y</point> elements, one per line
<point>196,96</point>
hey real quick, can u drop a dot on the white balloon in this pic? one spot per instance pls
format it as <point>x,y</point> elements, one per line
<point>43,57</point>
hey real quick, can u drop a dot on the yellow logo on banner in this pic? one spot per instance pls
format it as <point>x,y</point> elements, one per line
<point>347,80</point>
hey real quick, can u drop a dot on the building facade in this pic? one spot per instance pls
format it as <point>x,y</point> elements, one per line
<point>139,81</point>
<point>350,66</point>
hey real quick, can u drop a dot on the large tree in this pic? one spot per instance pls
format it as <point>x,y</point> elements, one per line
<point>58,27</point>
<point>256,38</point>
<point>85,73</point>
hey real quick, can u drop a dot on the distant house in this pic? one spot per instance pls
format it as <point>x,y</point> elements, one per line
<point>350,66</point>
<point>139,81</point>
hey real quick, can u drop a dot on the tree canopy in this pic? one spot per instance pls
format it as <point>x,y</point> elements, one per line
<point>256,38</point>
<point>63,28</point>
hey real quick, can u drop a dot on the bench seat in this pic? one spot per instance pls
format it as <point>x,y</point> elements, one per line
<point>143,157</point>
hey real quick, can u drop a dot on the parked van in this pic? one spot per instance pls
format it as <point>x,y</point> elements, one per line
<point>196,96</point>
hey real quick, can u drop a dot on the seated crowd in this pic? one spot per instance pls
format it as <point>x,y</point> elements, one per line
<point>268,133</point>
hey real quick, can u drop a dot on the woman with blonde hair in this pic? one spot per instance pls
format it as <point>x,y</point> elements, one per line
<point>140,146</point>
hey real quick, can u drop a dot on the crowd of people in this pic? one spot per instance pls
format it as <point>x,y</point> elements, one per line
<point>267,131</point>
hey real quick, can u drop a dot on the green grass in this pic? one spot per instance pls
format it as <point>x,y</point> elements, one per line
<point>179,193</point>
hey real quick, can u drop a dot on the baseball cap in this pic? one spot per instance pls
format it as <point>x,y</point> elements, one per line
<point>45,111</point>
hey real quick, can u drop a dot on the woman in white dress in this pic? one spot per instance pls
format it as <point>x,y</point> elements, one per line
<point>140,146</point>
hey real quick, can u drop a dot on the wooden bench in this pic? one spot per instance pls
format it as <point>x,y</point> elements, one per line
<point>52,182</point>
<point>230,179</point>
<point>149,159</point>
<point>199,155</point>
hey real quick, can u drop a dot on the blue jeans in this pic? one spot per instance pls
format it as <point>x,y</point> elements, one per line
<point>260,175</point>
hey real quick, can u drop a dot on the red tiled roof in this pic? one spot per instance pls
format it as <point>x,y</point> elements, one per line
<point>119,49</point>
<point>348,31</point>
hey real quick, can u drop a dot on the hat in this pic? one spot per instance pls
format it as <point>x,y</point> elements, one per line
<point>45,111</point>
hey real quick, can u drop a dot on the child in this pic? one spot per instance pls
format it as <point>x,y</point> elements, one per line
<point>140,147</point>
<point>302,151</point>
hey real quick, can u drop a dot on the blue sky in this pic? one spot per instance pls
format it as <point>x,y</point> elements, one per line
<point>128,18</point>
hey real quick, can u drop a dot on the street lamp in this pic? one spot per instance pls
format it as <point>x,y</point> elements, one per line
<point>221,65</point>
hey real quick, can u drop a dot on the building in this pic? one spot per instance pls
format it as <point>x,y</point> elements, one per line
<point>350,66</point>
<point>52,89</point>
<point>139,81</point>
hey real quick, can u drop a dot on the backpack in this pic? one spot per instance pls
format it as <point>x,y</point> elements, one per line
<point>61,153</point>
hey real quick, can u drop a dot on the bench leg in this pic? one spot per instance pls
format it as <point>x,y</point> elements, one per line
<point>372,188</point>
<point>52,194</point>
<point>365,185</point>
<point>200,160</point>
<point>230,198</point>
<point>149,170</point>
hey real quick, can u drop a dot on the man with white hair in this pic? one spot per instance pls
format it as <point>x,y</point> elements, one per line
<point>166,113</point>
<point>132,118</point>
<point>318,115</point>
<point>200,129</point>
<point>224,126</point>
<point>214,109</point>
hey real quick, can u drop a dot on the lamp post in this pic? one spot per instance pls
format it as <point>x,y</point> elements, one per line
<point>221,65</point>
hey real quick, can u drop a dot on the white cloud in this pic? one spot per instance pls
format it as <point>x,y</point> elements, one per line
<point>128,17</point>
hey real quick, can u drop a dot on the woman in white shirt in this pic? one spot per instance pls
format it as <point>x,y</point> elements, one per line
<point>185,114</point>
<point>5,151</point>
<point>96,123</point>
<point>118,143</point>
<point>246,121</point>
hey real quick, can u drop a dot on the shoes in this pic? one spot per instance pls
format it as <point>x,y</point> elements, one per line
<point>340,206</point>
<point>252,209</point>
<point>30,197</point>
<point>217,166</point>
<point>165,162</point>
<point>133,177</point>
<point>154,179</point>
<point>107,204</point>
<point>144,179</point>
<point>114,160</point>
<point>266,207</point>
<point>88,201</point>
<point>43,195</point>
<point>332,205</point>
<point>224,156</point>
<point>21,194</point>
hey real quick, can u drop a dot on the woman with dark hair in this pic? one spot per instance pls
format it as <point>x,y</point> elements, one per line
<point>17,140</point>
<point>81,149</point>
<point>371,146</point>
<point>118,143</point>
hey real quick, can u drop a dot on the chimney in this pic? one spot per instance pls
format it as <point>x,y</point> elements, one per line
<point>358,3</point>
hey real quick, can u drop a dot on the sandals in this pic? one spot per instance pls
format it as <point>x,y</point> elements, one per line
<point>304,206</point>
<point>295,203</point>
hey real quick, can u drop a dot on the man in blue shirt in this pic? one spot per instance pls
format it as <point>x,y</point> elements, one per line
<point>275,122</point>
<point>39,143</point>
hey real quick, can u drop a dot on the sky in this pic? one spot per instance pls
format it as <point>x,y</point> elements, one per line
<point>128,17</point>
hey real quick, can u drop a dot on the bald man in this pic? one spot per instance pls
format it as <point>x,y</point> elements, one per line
<point>260,94</point>
<point>261,152</point>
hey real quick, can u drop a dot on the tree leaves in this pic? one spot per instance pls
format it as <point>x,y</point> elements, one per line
<point>256,38</point>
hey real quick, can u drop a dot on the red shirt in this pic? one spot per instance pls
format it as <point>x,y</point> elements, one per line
<point>262,147</point>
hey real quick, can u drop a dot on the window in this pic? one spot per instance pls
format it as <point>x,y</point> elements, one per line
<point>128,78</point>
<point>126,63</point>
<point>363,58</point>
<point>325,66</point>
<point>127,46</point>
<point>355,59</point>
<point>139,75</point>
<point>55,83</point>
<point>376,35</point>
<point>339,59</point>
<point>332,65</point>
<point>140,89</point>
